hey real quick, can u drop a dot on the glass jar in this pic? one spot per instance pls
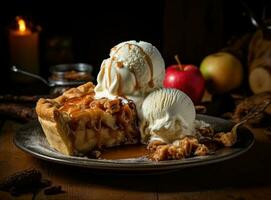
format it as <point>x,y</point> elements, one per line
<point>65,76</point>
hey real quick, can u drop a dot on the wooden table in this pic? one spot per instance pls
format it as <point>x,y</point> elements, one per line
<point>243,178</point>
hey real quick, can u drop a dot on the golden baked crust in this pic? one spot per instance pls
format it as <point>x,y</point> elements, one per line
<point>76,123</point>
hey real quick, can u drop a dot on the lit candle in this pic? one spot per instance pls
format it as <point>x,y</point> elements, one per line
<point>24,47</point>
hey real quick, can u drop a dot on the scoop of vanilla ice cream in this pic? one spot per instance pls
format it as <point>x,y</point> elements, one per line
<point>133,70</point>
<point>168,115</point>
<point>151,57</point>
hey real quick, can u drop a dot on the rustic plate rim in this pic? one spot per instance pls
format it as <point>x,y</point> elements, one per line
<point>125,164</point>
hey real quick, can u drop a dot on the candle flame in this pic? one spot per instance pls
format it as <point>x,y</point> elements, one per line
<point>21,24</point>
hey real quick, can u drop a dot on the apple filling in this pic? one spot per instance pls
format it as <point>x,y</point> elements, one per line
<point>83,123</point>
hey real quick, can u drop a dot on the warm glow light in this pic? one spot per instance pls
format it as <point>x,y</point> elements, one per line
<point>22,26</point>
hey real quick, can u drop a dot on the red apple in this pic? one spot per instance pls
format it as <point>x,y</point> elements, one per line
<point>186,78</point>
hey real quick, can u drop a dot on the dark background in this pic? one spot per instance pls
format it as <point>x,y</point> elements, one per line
<point>84,31</point>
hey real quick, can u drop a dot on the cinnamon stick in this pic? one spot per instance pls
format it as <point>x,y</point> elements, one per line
<point>17,111</point>
<point>21,99</point>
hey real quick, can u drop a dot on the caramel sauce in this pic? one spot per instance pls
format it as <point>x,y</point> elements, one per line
<point>109,73</point>
<point>74,100</point>
<point>136,81</point>
<point>151,84</point>
<point>119,64</point>
<point>74,103</point>
<point>124,152</point>
<point>148,59</point>
<point>102,71</point>
<point>113,49</point>
<point>85,112</point>
<point>119,86</point>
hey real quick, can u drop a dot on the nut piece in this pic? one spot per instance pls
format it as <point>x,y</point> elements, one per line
<point>227,139</point>
<point>184,148</point>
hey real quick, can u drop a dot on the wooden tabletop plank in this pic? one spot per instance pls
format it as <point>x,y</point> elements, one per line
<point>78,183</point>
<point>243,178</point>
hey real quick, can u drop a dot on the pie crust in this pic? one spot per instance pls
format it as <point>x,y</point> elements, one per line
<point>76,123</point>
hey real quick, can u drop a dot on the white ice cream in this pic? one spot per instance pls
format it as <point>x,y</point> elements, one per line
<point>133,70</point>
<point>168,115</point>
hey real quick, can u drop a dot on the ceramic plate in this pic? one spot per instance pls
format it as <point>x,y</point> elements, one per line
<point>32,140</point>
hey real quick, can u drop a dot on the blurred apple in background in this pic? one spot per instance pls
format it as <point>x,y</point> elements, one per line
<point>222,72</point>
<point>186,78</point>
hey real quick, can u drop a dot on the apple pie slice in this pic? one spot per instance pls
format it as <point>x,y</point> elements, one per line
<point>76,123</point>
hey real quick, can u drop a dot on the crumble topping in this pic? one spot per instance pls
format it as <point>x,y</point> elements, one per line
<point>205,142</point>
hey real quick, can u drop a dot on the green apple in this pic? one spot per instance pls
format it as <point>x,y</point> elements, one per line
<point>222,72</point>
